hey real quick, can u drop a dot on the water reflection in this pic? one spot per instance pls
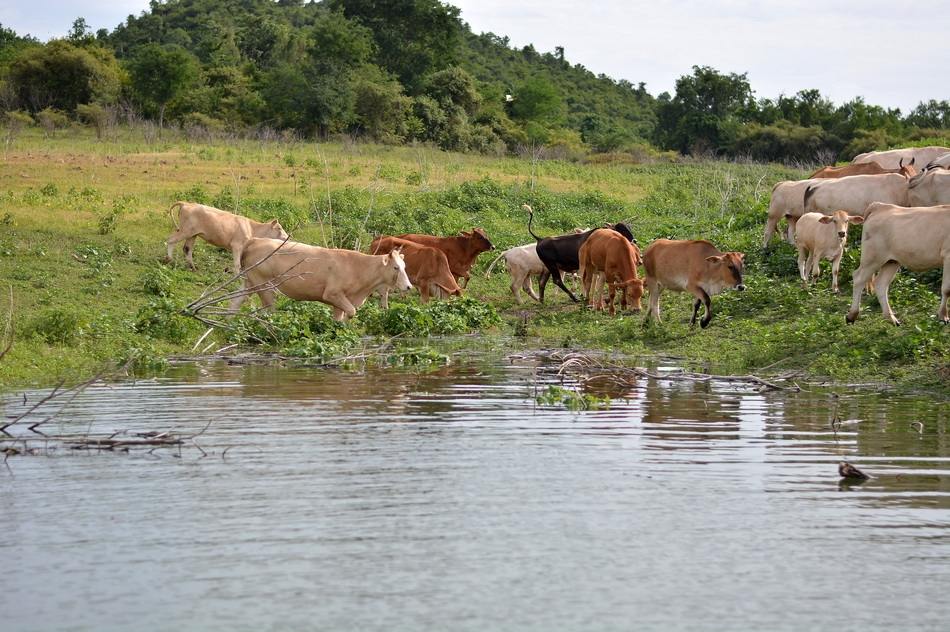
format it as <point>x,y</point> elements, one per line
<point>449,499</point>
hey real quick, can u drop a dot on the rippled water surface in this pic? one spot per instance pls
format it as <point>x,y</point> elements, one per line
<point>392,499</point>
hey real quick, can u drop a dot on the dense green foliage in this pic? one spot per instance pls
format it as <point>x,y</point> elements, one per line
<point>402,71</point>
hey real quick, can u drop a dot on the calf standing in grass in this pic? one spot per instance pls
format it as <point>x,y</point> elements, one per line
<point>819,236</point>
<point>217,227</point>
<point>693,266</point>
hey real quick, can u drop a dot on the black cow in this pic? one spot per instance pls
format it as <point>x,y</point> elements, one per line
<point>560,254</point>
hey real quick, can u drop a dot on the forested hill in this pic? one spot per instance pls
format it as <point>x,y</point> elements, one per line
<point>400,71</point>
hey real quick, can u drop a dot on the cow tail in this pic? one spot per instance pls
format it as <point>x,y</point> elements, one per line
<point>492,264</point>
<point>530,221</point>
<point>171,214</point>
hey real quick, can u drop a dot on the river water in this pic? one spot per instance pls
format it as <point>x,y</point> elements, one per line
<point>448,499</point>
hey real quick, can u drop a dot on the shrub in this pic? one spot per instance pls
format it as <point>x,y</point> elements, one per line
<point>297,328</point>
<point>157,281</point>
<point>160,318</point>
<point>51,120</point>
<point>56,326</point>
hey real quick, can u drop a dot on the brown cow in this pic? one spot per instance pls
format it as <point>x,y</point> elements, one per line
<point>342,279</point>
<point>607,257</point>
<point>865,169</point>
<point>693,266</point>
<point>217,227</point>
<point>427,268</point>
<point>461,251</point>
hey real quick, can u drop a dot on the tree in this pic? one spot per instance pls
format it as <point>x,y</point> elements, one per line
<point>62,75</point>
<point>933,114</point>
<point>159,74</point>
<point>705,112</point>
<point>539,101</point>
<point>413,37</point>
<point>456,87</point>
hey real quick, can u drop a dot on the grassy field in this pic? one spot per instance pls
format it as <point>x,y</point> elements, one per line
<point>82,225</point>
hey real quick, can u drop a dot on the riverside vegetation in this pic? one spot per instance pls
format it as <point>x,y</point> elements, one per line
<point>82,226</point>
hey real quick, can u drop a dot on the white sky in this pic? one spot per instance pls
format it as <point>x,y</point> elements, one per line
<point>892,52</point>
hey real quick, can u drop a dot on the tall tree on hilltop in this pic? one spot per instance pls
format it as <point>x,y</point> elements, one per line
<point>160,74</point>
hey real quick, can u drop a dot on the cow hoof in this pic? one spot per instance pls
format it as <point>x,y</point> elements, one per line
<point>704,323</point>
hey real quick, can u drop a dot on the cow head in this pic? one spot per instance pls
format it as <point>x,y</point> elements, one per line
<point>634,294</point>
<point>841,219</point>
<point>908,170</point>
<point>274,230</point>
<point>478,239</point>
<point>396,269</point>
<point>727,268</point>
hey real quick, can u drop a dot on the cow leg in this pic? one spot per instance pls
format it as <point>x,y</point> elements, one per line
<point>558,281</point>
<point>882,285</point>
<point>945,292</point>
<point>174,238</point>
<point>701,298</point>
<point>835,266</point>
<point>792,223</point>
<point>519,279</point>
<point>189,249</point>
<point>770,225</point>
<point>384,298</point>
<point>238,300</point>
<point>527,287</point>
<point>342,305</point>
<point>464,283</point>
<point>423,292</point>
<point>860,278</point>
<point>654,288</point>
<point>611,296</point>
<point>542,283</point>
<point>236,259</point>
<point>801,266</point>
<point>813,265</point>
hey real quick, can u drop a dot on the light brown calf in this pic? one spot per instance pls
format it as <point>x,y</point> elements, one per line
<point>693,266</point>
<point>607,257</point>
<point>217,227</point>
<point>342,279</point>
<point>819,236</point>
<point>427,268</point>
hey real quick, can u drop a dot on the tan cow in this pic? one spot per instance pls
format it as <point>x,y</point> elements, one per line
<point>917,238</point>
<point>819,236</point>
<point>854,193</point>
<point>786,202</point>
<point>864,169</point>
<point>606,257</point>
<point>217,227</point>
<point>891,159</point>
<point>427,268</point>
<point>931,188</point>
<point>693,266</point>
<point>342,279</point>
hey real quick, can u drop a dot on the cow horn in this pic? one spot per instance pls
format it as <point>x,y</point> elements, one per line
<point>900,163</point>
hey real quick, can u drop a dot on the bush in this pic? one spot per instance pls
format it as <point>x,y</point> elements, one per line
<point>160,318</point>
<point>297,328</point>
<point>157,281</point>
<point>56,326</point>
<point>51,120</point>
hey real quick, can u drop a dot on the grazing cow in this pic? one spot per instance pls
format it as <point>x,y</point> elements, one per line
<point>217,227</point>
<point>930,188</point>
<point>427,268</point>
<point>892,159</point>
<point>786,202</point>
<point>917,238</point>
<point>820,236</point>
<point>461,251</point>
<point>607,257</point>
<point>561,254</point>
<point>865,169</point>
<point>854,193</point>
<point>342,279</point>
<point>693,266</point>
<point>940,162</point>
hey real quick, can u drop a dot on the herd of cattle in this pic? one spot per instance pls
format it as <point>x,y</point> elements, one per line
<point>905,216</point>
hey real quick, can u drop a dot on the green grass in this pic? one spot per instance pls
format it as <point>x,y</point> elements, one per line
<point>82,226</point>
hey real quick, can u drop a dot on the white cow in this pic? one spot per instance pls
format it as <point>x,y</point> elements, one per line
<point>820,236</point>
<point>892,158</point>
<point>917,238</point>
<point>940,162</point>
<point>854,193</point>
<point>523,263</point>
<point>929,188</point>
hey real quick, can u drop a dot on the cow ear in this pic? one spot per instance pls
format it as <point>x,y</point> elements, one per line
<point>741,256</point>
<point>826,219</point>
<point>855,219</point>
<point>715,258</point>
<point>274,222</point>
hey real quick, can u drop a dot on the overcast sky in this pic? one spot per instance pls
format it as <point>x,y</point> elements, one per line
<point>892,53</point>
